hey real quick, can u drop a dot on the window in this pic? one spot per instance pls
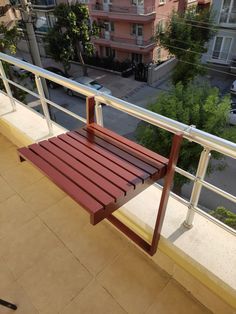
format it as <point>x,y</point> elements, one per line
<point>137,29</point>
<point>161,26</point>
<point>228,12</point>
<point>109,26</point>
<point>221,48</point>
<point>162,1</point>
<point>137,2</point>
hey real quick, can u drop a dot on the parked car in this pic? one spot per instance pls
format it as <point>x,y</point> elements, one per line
<point>232,117</point>
<point>233,88</point>
<point>87,81</point>
<point>51,84</point>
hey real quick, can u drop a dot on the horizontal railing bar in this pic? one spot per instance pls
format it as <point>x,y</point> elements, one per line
<point>219,191</point>
<point>70,113</point>
<point>74,115</point>
<point>192,134</point>
<point>23,88</point>
<point>185,173</point>
<point>216,221</point>
<point>206,185</point>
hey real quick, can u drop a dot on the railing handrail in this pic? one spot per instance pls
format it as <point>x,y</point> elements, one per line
<point>190,132</point>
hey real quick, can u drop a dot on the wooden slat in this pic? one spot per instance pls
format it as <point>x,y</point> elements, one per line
<point>110,156</point>
<point>130,144</point>
<point>79,195</point>
<point>93,176</point>
<point>104,158</point>
<point>127,147</point>
<point>68,172</point>
<point>118,152</point>
<point>94,165</point>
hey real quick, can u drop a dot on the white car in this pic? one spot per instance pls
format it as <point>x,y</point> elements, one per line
<point>233,88</point>
<point>232,117</point>
<point>87,81</point>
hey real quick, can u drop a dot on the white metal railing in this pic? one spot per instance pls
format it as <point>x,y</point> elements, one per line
<point>208,141</point>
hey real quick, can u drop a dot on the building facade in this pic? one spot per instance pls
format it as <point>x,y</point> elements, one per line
<point>8,14</point>
<point>128,27</point>
<point>222,47</point>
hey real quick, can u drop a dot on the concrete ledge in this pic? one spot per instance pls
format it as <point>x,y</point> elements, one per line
<point>202,259</point>
<point>23,126</point>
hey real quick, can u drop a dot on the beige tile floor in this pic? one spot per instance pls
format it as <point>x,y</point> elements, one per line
<point>53,261</point>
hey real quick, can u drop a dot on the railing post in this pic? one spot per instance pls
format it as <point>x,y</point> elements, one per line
<point>99,114</point>
<point>197,187</point>
<point>43,103</point>
<point>7,86</point>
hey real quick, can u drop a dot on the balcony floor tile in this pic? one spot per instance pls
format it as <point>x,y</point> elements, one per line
<point>134,280</point>
<point>174,299</point>
<point>14,213</point>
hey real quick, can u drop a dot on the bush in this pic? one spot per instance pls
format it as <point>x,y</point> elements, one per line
<point>107,63</point>
<point>224,215</point>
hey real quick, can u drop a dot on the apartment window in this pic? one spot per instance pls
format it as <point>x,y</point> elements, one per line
<point>109,26</point>
<point>228,12</point>
<point>162,1</point>
<point>221,48</point>
<point>137,29</point>
<point>161,26</point>
<point>137,2</point>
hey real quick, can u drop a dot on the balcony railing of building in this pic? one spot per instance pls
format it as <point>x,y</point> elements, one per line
<point>208,141</point>
<point>135,41</point>
<point>140,10</point>
<point>43,3</point>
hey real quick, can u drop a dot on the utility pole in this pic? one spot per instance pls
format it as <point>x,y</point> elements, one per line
<point>26,10</point>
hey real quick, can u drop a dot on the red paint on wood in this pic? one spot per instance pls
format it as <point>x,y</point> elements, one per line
<point>79,195</point>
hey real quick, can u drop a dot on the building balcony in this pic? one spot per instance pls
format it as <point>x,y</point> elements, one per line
<point>43,4</point>
<point>132,14</point>
<point>53,260</point>
<point>136,44</point>
<point>204,2</point>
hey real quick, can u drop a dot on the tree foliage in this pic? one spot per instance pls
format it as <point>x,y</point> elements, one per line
<point>8,43</point>
<point>9,38</point>
<point>71,34</point>
<point>195,104</point>
<point>185,37</point>
<point>224,215</point>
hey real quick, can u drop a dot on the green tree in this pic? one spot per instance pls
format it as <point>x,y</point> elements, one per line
<point>185,36</point>
<point>8,43</point>
<point>9,38</point>
<point>224,215</point>
<point>195,104</point>
<point>71,34</point>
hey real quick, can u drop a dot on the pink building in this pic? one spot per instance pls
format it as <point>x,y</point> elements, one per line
<point>129,27</point>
